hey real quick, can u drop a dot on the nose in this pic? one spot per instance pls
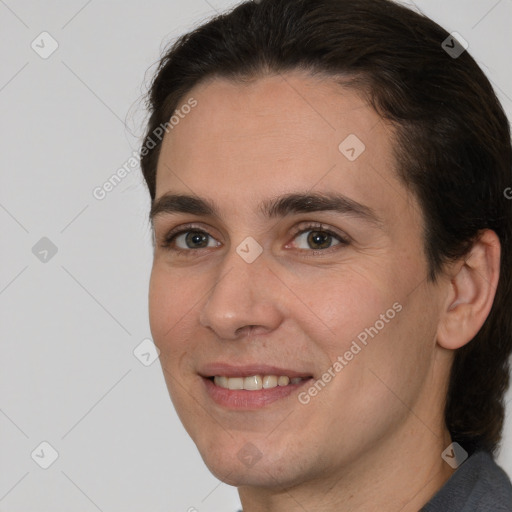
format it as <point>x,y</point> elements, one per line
<point>243,300</point>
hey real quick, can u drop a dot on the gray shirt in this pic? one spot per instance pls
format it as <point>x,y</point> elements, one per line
<point>478,485</point>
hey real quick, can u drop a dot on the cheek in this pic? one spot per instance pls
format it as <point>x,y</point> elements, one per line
<point>396,356</point>
<point>334,309</point>
<point>161,305</point>
<point>372,321</point>
<point>171,307</point>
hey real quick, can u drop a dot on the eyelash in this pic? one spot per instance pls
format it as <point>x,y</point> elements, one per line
<point>173,234</point>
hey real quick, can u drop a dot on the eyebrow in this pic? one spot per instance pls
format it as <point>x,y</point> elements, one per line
<point>281,206</point>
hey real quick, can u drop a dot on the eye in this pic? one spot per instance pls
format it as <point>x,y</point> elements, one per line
<point>311,237</point>
<point>317,238</point>
<point>187,239</point>
<point>193,240</point>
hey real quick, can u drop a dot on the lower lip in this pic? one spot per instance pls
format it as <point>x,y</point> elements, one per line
<point>243,399</point>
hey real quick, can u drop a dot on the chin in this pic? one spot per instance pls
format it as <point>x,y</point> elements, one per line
<point>260,475</point>
<point>240,463</point>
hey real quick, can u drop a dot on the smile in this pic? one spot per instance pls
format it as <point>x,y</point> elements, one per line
<point>255,382</point>
<point>250,386</point>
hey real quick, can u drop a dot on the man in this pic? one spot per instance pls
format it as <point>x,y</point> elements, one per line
<point>332,280</point>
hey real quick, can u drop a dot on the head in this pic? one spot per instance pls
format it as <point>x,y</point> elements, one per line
<point>347,181</point>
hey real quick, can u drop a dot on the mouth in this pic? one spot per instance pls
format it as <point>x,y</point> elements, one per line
<point>255,382</point>
<point>245,388</point>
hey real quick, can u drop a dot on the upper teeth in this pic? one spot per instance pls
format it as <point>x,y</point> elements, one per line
<point>254,382</point>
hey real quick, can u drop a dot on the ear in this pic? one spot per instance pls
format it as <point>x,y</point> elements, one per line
<point>471,291</point>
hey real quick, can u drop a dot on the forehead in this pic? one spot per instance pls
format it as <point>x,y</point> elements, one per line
<point>244,142</point>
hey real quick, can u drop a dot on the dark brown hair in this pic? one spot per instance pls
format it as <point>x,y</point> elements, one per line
<point>452,142</point>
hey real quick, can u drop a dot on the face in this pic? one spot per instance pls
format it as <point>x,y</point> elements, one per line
<point>296,277</point>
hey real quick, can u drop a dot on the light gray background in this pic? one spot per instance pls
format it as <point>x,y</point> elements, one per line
<point>69,325</point>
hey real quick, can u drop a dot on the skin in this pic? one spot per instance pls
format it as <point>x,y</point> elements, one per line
<point>372,438</point>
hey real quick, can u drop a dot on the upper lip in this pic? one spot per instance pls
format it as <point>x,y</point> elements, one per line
<point>229,370</point>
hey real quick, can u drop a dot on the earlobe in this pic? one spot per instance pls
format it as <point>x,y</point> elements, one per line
<point>472,288</point>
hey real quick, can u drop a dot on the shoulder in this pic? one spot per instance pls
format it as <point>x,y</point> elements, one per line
<point>494,486</point>
<point>479,485</point>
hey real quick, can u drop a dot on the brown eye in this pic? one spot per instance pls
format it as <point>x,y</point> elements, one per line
<point>196,239</point>
<point>319,240</point>
<point>186,240</point>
